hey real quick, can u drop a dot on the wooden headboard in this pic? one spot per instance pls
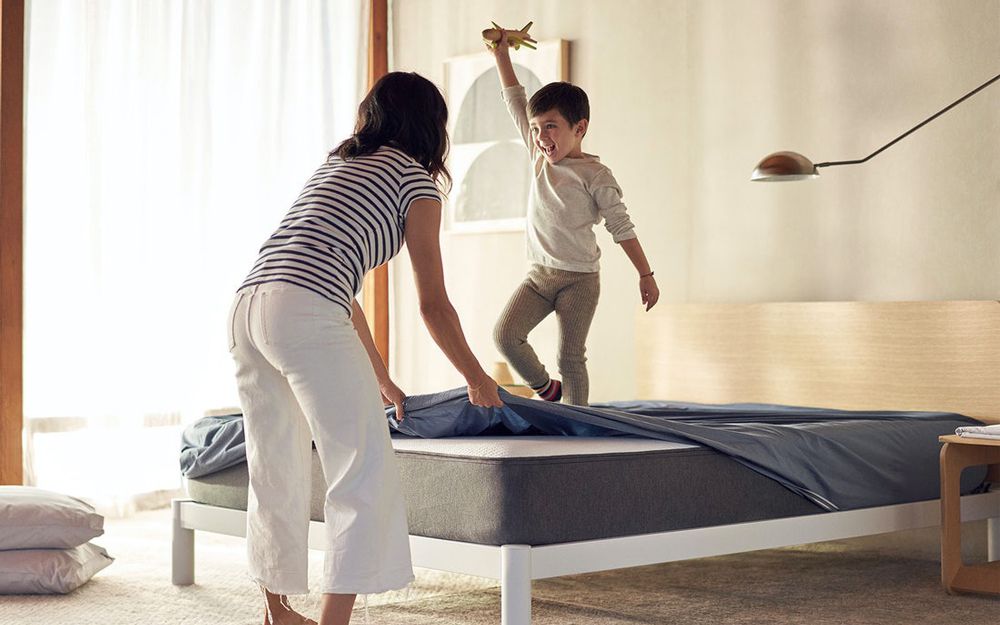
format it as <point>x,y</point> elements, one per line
<point>941,355</point>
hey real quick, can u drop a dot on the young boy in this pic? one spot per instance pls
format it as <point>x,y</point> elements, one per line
<point>571,191</point>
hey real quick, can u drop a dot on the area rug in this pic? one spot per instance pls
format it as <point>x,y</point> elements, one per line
<point>874,581</point>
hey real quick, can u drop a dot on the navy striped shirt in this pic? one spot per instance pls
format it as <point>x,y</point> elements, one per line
<point>349,219</point>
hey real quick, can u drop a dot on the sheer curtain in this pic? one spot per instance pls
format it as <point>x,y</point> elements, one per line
<point>164,141</point>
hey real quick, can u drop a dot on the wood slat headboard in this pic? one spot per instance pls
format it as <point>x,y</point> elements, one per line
<point>941,355</point>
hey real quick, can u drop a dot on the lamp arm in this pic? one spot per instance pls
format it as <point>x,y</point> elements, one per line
<point>918,126</point>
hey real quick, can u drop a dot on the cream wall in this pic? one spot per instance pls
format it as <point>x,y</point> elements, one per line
<point>685,98</point>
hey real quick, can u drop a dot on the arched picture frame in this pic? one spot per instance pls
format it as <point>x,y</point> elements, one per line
<point>488,160</point>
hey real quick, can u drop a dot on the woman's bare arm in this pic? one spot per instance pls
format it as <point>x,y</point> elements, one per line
<point>423,224</point>
<point>391,394</point>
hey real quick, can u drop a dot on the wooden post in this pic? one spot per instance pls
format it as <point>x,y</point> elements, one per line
<point>11,240</point>
<point>376,286</point>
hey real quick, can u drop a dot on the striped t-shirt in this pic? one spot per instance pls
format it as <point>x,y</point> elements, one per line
<point>349,219</point>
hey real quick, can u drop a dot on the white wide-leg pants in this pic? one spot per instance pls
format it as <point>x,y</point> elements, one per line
<point>304,376</point>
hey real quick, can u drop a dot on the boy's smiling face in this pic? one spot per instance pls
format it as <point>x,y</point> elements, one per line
<point>555,137</point>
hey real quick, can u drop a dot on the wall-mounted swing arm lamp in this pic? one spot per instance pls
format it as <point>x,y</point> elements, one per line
<point>785,166</point>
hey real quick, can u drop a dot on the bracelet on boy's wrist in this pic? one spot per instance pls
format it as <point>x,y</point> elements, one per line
<point>647,275</point>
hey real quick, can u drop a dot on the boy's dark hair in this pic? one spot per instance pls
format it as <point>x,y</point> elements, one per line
<point>404,110</point>
<point>570,100</point>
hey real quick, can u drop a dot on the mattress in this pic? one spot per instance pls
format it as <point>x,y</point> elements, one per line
<point>539,490</point>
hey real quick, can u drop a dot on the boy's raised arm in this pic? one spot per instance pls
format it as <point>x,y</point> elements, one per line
<point>516,101</point>
<point>501,52</point>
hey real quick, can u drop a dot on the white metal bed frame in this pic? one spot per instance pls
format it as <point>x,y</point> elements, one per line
<point>515,566</point>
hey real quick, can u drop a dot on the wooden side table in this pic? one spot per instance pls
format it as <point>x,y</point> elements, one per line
<point>958,453</point>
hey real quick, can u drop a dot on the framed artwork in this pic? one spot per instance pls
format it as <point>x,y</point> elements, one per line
<point>488,160</point>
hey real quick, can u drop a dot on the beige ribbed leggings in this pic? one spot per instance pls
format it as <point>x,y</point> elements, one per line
<point>573,297</point>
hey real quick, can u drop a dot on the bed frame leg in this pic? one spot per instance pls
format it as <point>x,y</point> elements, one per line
<point>515,585</point>
<point>182,559</point>
<point>993,538</point>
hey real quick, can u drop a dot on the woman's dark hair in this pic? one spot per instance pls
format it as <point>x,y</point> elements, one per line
<point>406,111</point>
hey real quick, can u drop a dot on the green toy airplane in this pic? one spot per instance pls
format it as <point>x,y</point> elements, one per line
<point>517,38</point>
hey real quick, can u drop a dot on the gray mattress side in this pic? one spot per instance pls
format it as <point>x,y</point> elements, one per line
<point>547,500</point>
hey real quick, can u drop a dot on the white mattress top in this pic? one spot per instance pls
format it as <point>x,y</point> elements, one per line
<point>531,446</point>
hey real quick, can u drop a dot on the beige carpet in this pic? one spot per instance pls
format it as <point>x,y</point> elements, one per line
<point>876,581</point>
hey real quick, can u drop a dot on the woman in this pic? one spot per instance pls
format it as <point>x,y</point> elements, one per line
<point>307,367</point>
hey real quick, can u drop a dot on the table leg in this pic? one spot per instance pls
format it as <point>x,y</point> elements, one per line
<point>951,514</point>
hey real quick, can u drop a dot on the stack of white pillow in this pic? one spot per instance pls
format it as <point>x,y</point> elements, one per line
<point>44,541</point>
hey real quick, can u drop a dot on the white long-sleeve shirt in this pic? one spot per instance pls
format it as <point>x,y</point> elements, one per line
<point>567,200</point>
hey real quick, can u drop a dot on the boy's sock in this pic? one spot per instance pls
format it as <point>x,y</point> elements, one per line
<point>550,391</point>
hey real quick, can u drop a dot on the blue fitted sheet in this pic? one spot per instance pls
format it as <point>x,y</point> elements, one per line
<point>838,459</point>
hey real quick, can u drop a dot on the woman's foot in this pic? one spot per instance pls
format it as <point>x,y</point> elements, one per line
<point>277,611</point>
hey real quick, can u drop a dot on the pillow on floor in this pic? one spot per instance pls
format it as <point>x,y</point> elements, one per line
<point>48,571</point>
<point>33,518</point>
